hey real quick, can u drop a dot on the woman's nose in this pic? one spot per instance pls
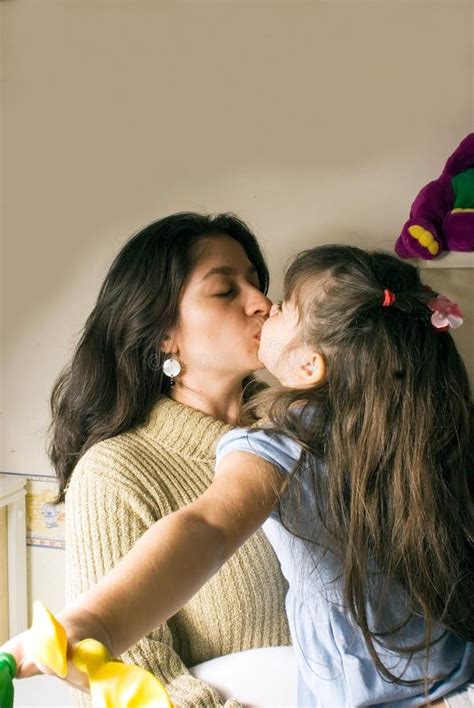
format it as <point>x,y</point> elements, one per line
<point>259,303</point>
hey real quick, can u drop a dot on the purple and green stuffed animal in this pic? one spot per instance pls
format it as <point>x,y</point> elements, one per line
<point>442,215</point>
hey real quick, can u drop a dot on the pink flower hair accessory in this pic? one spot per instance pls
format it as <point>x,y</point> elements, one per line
<point>446,314</point>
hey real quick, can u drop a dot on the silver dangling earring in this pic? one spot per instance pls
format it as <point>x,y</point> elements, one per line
<point>171,368</point>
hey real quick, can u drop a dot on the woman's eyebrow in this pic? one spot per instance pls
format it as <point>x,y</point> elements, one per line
<point>227,270</point>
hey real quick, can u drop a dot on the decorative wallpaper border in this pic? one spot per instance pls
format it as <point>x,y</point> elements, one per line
<point>44,521</point>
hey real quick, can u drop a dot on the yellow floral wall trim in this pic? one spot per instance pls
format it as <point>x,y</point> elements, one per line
<point>44,521</point>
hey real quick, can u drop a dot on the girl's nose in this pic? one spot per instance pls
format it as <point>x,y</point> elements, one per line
<point>274,309</point>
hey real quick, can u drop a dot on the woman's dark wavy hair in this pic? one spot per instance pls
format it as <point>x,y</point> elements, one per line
<point>394,433</point>
<point>115,376</point>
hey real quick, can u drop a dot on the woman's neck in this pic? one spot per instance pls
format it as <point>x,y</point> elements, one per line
<point>216,396</point>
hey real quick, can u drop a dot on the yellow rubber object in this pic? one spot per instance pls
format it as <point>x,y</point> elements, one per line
<point>48,640</point>
<point>112,683</point>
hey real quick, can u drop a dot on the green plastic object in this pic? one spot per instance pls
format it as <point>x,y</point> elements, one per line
<point>7,674</point>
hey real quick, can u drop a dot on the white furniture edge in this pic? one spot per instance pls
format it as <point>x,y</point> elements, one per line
<point>12,496</point>
<point>451,259</point>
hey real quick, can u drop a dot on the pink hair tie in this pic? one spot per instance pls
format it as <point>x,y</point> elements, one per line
<point>389,298</point>
<point>446,314</point>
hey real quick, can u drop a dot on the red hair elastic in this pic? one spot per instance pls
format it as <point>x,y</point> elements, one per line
<point>389,298</point>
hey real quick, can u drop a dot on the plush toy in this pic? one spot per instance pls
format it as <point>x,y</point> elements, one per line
<point>442,215</point>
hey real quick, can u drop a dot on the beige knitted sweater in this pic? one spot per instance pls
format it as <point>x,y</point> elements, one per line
<point>119,488</point>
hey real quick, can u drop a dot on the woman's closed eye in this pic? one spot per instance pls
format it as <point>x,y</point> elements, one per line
<point>232,291</point>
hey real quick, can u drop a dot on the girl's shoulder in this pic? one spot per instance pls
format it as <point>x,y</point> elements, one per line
<point>263,441</point>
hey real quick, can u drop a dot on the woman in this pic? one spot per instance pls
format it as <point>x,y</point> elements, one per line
<point>130,444</point>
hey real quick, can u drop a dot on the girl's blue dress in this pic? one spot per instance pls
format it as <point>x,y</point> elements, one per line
<point>335,668</point>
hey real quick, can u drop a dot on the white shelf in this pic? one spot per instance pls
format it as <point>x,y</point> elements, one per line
<point>450,259</point>
<point>12,496</point>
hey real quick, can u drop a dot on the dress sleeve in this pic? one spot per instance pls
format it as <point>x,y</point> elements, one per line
<point>279,450</point>
<point>105,516</point>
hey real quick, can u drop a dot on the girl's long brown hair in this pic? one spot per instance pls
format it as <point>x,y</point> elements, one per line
<point>394,432</point>
<point>115,375</point>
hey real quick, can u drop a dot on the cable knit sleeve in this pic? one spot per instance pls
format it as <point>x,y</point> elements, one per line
<point>106,513</point>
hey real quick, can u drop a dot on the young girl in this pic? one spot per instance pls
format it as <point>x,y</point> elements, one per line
<point>363,462</point>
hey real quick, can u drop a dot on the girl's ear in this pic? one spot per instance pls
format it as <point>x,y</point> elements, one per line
<point>313,369</point>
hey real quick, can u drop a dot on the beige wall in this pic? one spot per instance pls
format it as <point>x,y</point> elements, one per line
<point>314,121</point>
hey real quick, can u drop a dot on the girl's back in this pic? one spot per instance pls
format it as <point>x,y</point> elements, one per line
<point>334,664</point>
